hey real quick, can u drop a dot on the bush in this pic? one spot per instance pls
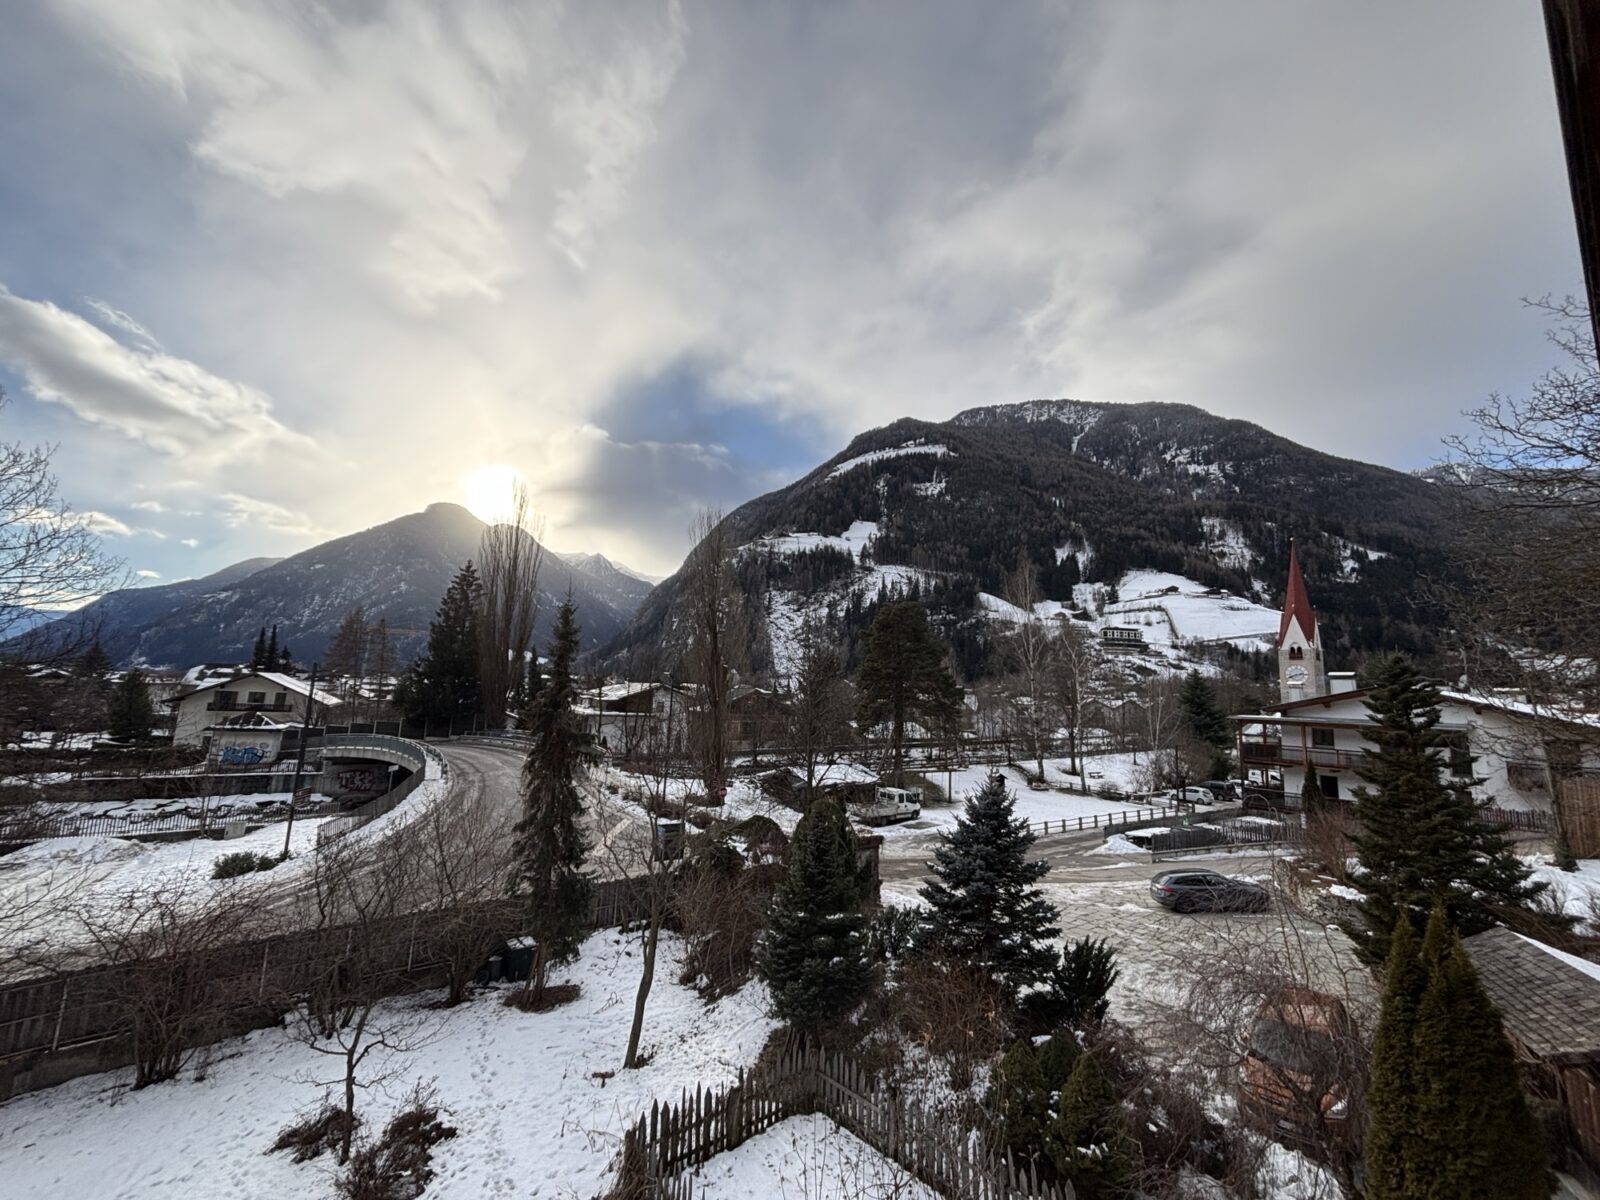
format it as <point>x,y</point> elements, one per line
<point>231,866</point>
<point>399,1165</point>
<point>1076,992</point>
<point>314,1133</point>
<point>891,932</point>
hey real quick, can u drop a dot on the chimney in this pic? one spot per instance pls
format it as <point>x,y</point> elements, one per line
<point>1341,681</point>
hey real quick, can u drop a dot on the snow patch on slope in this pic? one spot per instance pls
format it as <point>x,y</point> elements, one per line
<point>874,456</point>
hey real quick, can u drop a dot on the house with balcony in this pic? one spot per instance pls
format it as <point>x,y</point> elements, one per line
<point>1513,755</point>
<point>281,698</point>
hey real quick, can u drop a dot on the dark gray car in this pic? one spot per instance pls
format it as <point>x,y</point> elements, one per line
<point>1206,891</point>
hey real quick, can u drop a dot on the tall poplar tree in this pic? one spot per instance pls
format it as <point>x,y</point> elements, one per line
<point>550,848</point>
<point>813,957</point>
<point>982,906</point>
<point>1421,840</point>
<point>905,677</point>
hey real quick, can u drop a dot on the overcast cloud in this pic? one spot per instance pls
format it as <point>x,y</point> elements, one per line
<point>277,270</point>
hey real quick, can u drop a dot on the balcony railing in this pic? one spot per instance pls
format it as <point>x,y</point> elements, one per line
<point>242,706</point>
<point>1288,754</point>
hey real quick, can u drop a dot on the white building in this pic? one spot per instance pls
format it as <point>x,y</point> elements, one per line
<point>1512,752</point>
<point>282,698</point>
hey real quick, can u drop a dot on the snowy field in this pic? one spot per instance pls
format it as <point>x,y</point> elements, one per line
<point>808,1158</point>
<point>532,1119</point>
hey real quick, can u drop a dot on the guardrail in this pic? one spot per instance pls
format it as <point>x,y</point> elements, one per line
<point>1084,824</point>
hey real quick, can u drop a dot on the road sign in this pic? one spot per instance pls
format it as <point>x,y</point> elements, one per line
<point>302,795</point>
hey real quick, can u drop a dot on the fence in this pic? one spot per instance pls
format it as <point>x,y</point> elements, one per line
<point>1122,819</point>
<point>192,820</point>
<point>670,1140</point>
<point>424,763</point>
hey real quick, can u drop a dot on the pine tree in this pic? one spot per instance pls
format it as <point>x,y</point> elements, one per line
<point>1477,1139</point>
<point>1311,798</point>
<point>1421,841</point>
<point>983,907</point>
<point>130,713</point>
<point>904,677</point>
<point>1019,1095</point>
<point>443,684</point>
<point>1391,1149</point>
<point>285,661</point>
<point>1089,1141</point>
<point>269,660</point>
<point>550,848</point>
<point>258,656</point>
<point>813,956</point>
<point>1206,721</point>
<point>93,663</point>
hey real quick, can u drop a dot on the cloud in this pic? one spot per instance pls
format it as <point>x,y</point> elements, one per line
<point>174,406</point>
<point>147,573</point>
<point>190,542</point>
<point>118,319</point>
<point>154,506</point>
<point>105,524</point>
<point>245,511</point>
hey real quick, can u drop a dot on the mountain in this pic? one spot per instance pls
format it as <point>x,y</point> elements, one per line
<point>624,588</point>
<point>1089,492</point>
<point>398,570</point>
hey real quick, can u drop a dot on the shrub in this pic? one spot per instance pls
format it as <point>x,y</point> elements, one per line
<point>314,1133</point>
<point>244,862</point>
<point>892,932</point>
<point>399,1165</point>
<point>1076,992</point>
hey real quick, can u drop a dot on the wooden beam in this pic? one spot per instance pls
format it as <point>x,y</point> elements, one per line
<point>1573,29</point>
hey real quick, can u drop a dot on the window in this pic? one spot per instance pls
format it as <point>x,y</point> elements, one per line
<point>1323,738</point>
<point>280,699</point>
<point>227,699</point>
<point>257,698</point>
<point>1460,755</point>
<point>1296,653</point>
<point>1329,785</point>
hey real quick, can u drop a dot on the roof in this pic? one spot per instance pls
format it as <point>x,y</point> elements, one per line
<point>287,682</point>
<point>1297,602</point>
<point>1516,705</point>
<point>1549,1000</point>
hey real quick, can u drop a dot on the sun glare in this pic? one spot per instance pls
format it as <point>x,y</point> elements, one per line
<point>488,490</point>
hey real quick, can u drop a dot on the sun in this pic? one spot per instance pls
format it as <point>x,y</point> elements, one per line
<point>489,489</point>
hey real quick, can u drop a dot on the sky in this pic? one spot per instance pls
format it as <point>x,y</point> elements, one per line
<point>275,270</point>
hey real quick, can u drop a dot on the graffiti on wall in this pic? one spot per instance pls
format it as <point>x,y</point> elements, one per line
<point>241,755</point>
<point>359,781</point>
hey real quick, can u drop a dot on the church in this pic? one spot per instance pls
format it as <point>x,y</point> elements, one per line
<point>1497,742</point>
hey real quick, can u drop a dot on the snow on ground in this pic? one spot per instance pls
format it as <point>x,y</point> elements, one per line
<point>1117,845</point>
<point>851,541</point>
<point>1576,893</point>
<point>808,1158</point>
<point>519,1088</point>
<point>151,808</point>
<point>1033,807</point>
<point>876,456</point>
<point>1191,613</point>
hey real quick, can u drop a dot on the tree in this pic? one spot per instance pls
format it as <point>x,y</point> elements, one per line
<point>258,655</point>
<point>716,638</point>
<point>983,907</point>
<point>1447,1114</point>
<point>443,684</point>
<point>285,661</point>
<point>346,660</point>
<point>1205,721</point>
<point>1030,648</point>
<point>380,665</point>
<point>1075,669</point>
<point>1311,798</point>
<point>510,557</point>
<point>269,661</point>
<point>1421,840</point>
<point>813,956</point>
<point>819,712</point>
<point>130,715</point>
<point>93,664</point>
<point>1089,1141</point>
<point>550,848</point>
<point>904,677</point>
<point>1078,988</point>
<point>50,557</point>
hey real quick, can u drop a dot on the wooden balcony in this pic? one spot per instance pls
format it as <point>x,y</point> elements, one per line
<point>1291,754</point>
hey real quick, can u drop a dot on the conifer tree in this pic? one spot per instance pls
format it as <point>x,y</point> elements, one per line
<point>1421,842</point>
<point>443,684</point>
<point>550,848</point>
<point>813,957</point>
<point>93,663</point>
<point>983,907</point>
<point>1477,1139</point>
<point>1391,1149</point>
<point>1019,1095</point>
<point>269,660</point>
<point>130,714</point>
<point>1089,1141</point>
<point>1311,798</point>
<point>258,656</point>
<point>904,677</point>
<point>1205,719</point>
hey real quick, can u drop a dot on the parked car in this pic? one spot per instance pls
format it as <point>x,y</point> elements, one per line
<point>1189,795</point>
<point>889,805</point>
<point>1294,1076</point>
<point>1223,790</point>
<point>1206,891</point>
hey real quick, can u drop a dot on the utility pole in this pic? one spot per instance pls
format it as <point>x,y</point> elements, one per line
<point>300,758</point>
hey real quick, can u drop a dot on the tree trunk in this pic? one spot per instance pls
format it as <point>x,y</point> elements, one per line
<point>646,978</point>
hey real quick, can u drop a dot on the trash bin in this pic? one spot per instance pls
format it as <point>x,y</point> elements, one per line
<point>669,841</point>
<point>517,957</point>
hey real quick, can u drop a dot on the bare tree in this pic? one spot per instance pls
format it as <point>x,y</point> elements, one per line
<point>1030,647</point>
<point>510,557</point>
<point>50,557</point>
<point>819,715</point>
<point>1074,674</point>
<point>716,639</point>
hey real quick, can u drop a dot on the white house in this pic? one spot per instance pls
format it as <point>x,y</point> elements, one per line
<point>1511,751</point>
<point>281,698</point>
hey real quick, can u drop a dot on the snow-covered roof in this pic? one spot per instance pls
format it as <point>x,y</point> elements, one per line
<point>287,683</point>
<point>1514,704</point>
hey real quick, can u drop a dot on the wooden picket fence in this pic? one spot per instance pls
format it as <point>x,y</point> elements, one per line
<point>661,1152</point>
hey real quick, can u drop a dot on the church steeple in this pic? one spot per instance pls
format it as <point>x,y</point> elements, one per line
<point>1301,672</point>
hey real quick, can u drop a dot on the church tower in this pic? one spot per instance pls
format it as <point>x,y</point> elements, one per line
<point>1301,671</point>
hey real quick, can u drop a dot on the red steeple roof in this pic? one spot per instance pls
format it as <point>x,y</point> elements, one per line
<point>1297,602</point>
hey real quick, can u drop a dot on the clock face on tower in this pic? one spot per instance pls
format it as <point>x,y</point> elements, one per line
<point>1295,676</point>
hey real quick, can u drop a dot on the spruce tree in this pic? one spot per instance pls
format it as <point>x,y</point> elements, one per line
<point>269,660</point>
<point>129,714</point>
<point>1088,1141</point>
<point>1421,841</point>
<point>1392,1148</point>
<point>258,656</point>
<point>550,848</point>
<point>1311,798</point>
<point>983,907</point>
<point>443,684</point>
<point>813,956</point>
<point>1019,1095</point>
<point>904,677</point>
<point>1205,719</point>
<point>1476,1138</point>
<point>93,663</point>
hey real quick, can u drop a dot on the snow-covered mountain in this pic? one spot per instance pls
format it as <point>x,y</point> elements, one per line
<point>397,570</point>
<point>1097,494</point>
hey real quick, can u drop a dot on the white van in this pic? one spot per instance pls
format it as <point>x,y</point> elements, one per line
<point>890,805</point>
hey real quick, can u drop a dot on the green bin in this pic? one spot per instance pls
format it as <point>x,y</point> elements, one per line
<point>517,958</point>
